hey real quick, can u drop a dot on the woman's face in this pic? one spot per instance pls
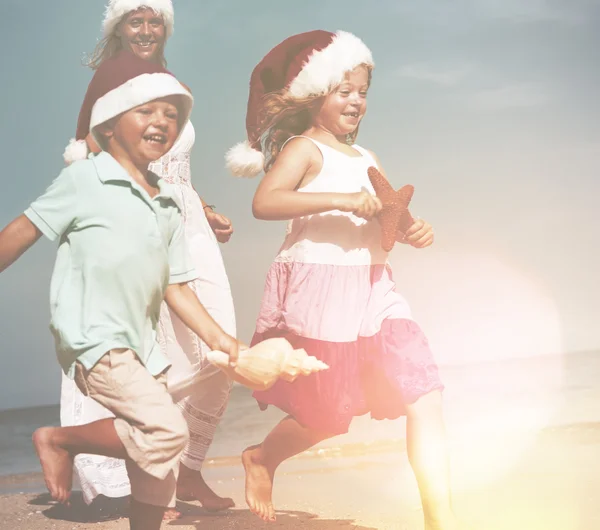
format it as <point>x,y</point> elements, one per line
<point>143,32</point>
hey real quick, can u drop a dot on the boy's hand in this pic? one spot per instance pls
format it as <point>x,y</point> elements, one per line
<point>420,234</point>
<point>227,344</point>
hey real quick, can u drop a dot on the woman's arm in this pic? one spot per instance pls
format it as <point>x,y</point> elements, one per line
<point>185,304</point>
<point>16,238</point>
<point>219,224</point>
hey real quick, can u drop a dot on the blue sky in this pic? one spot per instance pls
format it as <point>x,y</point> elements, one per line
<point>489,107</point>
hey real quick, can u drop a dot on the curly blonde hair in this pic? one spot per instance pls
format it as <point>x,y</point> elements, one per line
<point>284,116</point>
<point>110,45</point>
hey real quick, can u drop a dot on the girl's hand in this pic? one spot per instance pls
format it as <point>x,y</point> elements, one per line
<point>420,234</point>
<point>220,225</point>
<point>362,204</point>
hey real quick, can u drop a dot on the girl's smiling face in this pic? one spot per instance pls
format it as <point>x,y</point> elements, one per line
<point>343,109</point>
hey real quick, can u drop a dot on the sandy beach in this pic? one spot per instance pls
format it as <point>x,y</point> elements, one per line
<point>553,485</point>
<point>525,455</point>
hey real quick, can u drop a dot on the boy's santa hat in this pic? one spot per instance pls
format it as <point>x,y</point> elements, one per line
<point>308,64</point>
<point>122,83</point>
<point>117,9</point>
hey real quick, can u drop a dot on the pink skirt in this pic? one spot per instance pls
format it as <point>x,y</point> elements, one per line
<point>379,375</point>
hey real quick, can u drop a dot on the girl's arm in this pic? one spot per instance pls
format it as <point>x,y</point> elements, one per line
<point>420,234</point>
<point>15,239</point>
<point>185,304</point>
<point>277,198</point>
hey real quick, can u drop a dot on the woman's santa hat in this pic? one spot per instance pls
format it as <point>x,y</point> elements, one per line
<point>122,83</point>
<point>308,64</point>
<point>114,13</point>
<point>117,9</point>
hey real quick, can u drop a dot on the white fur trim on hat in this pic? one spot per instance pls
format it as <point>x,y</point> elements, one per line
<point>137,91</point>
<point>117,9</point>
<point>76,150</point>
<point>244,161</point>
<point>326,68</point>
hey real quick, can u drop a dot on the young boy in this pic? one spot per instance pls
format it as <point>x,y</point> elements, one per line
<point>121,252</point>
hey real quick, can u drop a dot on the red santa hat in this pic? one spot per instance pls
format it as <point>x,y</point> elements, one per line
<point>117,9</point>
<point>122,83</point>
<point>308,64</point>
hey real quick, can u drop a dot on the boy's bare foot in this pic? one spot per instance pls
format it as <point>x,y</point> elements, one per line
<point>57,463</point>
<point>192,487</point>
<point>259,484</point>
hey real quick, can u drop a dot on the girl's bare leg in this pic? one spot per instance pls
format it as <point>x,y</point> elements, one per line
<point>287,439</point>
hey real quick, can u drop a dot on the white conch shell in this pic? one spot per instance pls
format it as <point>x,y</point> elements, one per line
<point>258,367</point>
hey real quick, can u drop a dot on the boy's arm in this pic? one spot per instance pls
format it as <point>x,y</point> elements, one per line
<point>15,239</point>
<point>185,304</point>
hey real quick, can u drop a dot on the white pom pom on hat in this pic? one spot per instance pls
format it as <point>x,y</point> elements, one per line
<point>244,161</point>
<point>76,150</point>
<point>307,64</point>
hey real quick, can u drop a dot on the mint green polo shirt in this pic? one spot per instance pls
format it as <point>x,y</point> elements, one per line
<point>118,251</point>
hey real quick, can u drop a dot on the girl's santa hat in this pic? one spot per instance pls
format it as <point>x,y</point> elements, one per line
<point>117,9</point>
<point>308,64</point>
<point>122,83</point>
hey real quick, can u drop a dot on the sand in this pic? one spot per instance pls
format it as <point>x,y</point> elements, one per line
<point>551,483</point>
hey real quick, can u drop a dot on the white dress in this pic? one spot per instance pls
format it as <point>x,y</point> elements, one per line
<point>203,409</point>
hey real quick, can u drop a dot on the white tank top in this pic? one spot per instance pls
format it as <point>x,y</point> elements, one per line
<point>334,237</point>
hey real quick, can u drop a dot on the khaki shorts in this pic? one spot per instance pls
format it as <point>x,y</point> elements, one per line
<point>147,421</point>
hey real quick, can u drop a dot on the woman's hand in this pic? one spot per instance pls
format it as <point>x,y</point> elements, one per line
<point>219,224</point>
<point>419,235</point>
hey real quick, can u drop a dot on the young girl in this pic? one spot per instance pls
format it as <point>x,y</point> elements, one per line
<point>330,289</point>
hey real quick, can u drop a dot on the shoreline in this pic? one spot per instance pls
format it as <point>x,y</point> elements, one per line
<point>550,485</point>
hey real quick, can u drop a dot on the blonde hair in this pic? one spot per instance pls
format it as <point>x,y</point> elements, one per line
<point>110,45</point>
<point>284,116</point>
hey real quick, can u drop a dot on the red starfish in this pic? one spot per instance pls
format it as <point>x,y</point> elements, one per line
<point>394,215</point>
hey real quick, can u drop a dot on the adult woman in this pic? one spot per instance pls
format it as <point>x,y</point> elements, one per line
<point>143,27</point>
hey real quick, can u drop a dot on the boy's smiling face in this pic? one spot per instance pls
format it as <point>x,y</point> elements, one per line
<point>145,133</point>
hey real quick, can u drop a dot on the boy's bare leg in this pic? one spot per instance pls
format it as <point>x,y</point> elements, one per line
<point>58,446</point>
<point>145,516</point>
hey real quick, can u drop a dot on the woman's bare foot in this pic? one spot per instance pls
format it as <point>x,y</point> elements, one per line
<point>171,514</point>
<point>57,463</point>
<point>192,487</point>
<point>259,484</point>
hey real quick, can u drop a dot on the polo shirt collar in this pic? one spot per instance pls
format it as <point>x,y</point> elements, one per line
<point>109,170</point>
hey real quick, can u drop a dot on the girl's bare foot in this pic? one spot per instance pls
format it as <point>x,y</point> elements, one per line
<point>259,484</point>
<point>192,487</point>
<point>57,463</point>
